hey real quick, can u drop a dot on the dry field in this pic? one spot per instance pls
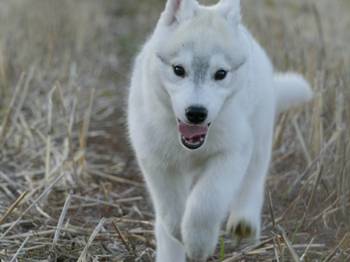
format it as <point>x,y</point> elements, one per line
<point>69,186</point>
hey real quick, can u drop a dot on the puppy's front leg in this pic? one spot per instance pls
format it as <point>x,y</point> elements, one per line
<point>169,191</point>
<point>210,200</point>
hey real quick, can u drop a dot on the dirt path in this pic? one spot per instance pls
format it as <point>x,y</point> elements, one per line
<point>53,54</point>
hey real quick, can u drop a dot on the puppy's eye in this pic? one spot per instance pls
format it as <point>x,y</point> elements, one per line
<point>179,71</point>
<point>220,75</point>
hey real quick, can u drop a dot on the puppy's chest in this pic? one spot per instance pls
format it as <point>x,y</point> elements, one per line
<point>166,146</point>
<point>190,167</point>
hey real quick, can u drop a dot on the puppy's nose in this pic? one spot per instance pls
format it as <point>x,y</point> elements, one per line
<point>196,114</point>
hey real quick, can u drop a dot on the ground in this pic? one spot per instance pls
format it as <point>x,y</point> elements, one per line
<point>70,189</point>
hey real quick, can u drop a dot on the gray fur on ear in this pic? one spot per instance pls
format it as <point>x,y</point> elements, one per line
<point>179,10</point>
<point>231,9</point>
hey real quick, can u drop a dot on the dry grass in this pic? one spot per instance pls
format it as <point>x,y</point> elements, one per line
<point>69,187</point>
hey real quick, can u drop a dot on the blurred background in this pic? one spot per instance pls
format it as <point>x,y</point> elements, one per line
<point>70,189</point>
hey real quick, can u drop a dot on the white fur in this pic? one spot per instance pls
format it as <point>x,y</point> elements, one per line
<point>193,192</point>
<point>291,89</point>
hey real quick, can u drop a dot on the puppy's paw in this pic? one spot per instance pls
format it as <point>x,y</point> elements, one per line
<point>199,243</point>
<point>243,230</point>
<point>199,247</point>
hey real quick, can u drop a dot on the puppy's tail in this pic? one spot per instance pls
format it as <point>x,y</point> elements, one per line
<point>291,89</point>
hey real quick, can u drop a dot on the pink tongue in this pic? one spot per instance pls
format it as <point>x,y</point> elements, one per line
<point>191,131</point>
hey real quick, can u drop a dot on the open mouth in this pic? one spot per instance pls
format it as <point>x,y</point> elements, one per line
<point>192,136</point>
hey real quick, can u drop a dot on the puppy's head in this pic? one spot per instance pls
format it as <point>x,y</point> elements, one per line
<point>200,53</point>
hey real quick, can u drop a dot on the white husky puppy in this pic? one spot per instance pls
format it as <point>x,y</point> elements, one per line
<point>202,106</point>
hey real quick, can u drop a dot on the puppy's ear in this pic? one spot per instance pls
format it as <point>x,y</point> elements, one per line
<point>177,11</point>
<point>231,10</point>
